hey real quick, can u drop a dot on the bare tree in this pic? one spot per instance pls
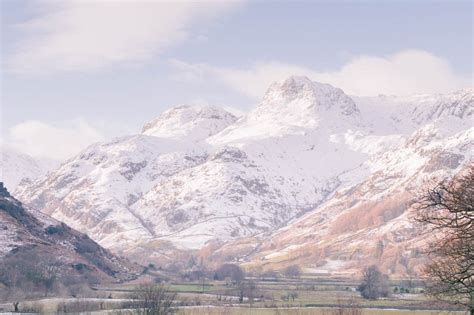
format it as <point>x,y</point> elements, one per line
<point>247,289</point>
<point>47,273</point>
<point>374,283</point>
<point>447,209</point>
<point>27,273</point>
<point>293,271</point>
<point>12,278</point>
<point>153,300</point>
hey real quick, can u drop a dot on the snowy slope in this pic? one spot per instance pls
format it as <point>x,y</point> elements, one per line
<point>17,167</point>
<point>192,123</point>
<point>95,191</point>
<point>369,220</point>
<point>198,174</point>
<point>391,114</point>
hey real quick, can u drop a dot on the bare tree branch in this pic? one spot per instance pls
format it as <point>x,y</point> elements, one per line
<point>447,209</point>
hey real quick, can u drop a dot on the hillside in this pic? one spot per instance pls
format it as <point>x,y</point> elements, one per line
<point>35,247</point>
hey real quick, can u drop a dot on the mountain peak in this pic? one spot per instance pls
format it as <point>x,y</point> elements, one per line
<point>191,122</point>
<point>300,90</point>
<point>295,85</point>
<point>296,81</point>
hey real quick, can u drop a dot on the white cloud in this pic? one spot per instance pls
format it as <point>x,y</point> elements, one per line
<point>55,141</point>
<point>85,35</point>
<point>406,72</point>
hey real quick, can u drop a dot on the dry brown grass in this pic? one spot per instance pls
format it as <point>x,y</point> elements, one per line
<point>370,214</point>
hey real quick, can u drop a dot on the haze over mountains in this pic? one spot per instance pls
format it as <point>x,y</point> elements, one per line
<point>309,170</point>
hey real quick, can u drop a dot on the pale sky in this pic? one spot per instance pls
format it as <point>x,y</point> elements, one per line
<point>77,72</point>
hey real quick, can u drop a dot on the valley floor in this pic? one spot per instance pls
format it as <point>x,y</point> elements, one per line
<point>309,295</point>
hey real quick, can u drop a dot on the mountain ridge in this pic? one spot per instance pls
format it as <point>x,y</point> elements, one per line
<point>235,178</point>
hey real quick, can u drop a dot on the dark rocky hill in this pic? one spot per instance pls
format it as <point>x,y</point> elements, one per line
<point>40,253</point>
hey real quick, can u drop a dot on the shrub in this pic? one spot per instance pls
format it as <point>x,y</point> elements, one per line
<point>55,229</point>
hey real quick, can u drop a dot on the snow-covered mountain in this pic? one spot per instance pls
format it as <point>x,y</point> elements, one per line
<point>369,220</point>
<point>97,190</point>
<point>18,168</point>
<point>197,174</point>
